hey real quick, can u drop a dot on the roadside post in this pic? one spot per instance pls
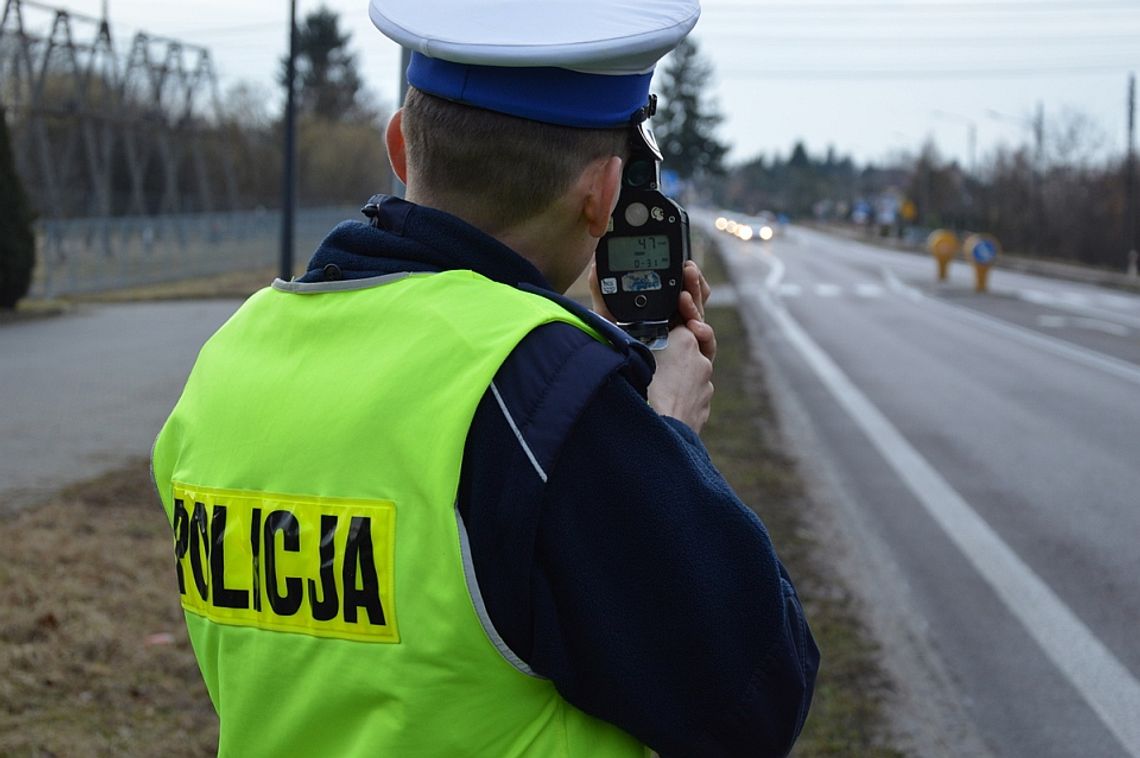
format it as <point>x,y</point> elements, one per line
<point>909,211</point>
<point>981,250</point>
<point>943,245</point>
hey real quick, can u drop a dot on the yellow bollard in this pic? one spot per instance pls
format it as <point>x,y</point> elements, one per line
<point>943,245</point>
<point>981,250</point>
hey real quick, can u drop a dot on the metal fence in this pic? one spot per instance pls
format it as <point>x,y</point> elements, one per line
<point>95,254</point>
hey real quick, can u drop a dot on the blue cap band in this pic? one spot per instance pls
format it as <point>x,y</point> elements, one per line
<point>550,95</point>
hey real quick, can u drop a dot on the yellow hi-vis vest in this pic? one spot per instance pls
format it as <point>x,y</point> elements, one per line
<point>310,472</point>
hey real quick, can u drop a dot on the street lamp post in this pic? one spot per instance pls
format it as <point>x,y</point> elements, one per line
<point>288,180</point>
<point>402,87</point>
<point>1130,182</point>
<point>971,135</point>
<point>1036,125</point>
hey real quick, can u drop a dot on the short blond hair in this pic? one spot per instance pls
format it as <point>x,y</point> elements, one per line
<point>506,169</point>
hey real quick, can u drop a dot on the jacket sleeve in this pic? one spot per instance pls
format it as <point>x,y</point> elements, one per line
<point>641,585</point>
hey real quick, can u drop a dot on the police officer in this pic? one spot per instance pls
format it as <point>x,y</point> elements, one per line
<point>423,505</point>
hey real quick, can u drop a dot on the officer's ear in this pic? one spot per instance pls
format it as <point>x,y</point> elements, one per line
<point>602,196</point>
<point>394,139</point>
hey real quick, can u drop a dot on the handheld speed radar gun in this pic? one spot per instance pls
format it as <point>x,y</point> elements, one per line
<point>640,259</point>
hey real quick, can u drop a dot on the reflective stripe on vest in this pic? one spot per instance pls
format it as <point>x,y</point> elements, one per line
<point>310,472</point>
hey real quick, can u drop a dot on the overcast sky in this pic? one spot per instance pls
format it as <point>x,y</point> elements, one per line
<point>868,77</point>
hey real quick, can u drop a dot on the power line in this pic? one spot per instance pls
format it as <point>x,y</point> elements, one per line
<point>239,29</point>
<point>760,73</point>
<point>765,31</point>
<point>992,41</point>
<point>862,8</point>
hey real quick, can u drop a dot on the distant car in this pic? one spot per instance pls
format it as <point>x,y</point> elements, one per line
<point>763,226</point>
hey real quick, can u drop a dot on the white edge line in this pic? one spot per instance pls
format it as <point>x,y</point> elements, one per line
<point>1105,684</point>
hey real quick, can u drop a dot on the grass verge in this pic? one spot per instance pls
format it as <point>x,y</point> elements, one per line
<point>94,651</point>
<point>847,716</point>
<point>28,310</point>
<point>233,284</point>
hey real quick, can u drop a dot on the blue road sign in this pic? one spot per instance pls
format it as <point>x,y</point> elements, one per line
<point>671,183</point>
<point>984,252</point>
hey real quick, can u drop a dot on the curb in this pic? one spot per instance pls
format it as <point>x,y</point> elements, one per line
<point>1052,269</point>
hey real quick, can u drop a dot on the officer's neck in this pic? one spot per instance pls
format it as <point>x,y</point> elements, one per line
<point>556,241</point>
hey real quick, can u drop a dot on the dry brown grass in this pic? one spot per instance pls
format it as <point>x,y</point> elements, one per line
<point>233,284</point>
<point>847,715</point>
<point>93,648</point>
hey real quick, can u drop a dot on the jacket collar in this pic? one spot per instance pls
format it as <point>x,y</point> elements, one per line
<point>403,236</point>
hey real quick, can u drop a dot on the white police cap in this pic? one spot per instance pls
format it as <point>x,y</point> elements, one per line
<point>583,63</point>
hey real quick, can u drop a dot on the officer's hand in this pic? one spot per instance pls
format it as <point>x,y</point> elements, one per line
<point>691,308</point>
<point>682,386</point>
<point>697,286</point>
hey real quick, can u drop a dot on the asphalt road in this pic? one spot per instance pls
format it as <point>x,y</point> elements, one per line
<point>87,391</point>
<point>978,457</point>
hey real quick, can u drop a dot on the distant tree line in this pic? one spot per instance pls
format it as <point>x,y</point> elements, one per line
<point>1060,198</point>
<point>1063,199</point>
<point>1056,199</point>
<point>341,159</point>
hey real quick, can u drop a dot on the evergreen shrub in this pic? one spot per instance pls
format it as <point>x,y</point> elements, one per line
<point>17,238</point>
